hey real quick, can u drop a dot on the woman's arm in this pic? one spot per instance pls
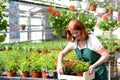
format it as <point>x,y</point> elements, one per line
<point>104,56</point>
<point>60,58</point>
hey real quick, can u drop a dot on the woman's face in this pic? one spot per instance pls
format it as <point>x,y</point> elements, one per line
<point>76,33</point>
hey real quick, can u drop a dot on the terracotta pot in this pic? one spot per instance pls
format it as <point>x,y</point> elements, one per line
<point>105,47</point>
<point>111,53</point>
<point>25,74</point>
<point>44,51</point>
<point>44,75</point>
<point>80,74</point>
<point>106,11</point>
<point>11,73</point>
<point>110,11</point>
<point>36,74</point>
<point>118,49</point>
<point>92,7</point>
<point>22,28</point>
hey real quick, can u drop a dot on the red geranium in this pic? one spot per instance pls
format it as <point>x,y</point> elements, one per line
<point>50,9</point>
<point>58,19</point>
<point>105,18</point>
<point>56,13</point>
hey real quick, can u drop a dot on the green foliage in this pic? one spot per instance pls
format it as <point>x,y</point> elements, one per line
<point>11,65</point>
<point>59,23</point>
<point>111,6</point>
<point>35,62</point>
<point>101,4</point>
<point>22,25</point>
<point>2,63</point>
<point>92,2</point>
<point>11,59</point>
<point>3,22</point>
<point>106,25</point>
<point>2,37</point>
<point>25,65</point>
<point>48,62</point>
<point>109,25</point>
<point>81,66</point>
<point>89,20</point>
<point>71,66</point>
<point>67,67</point>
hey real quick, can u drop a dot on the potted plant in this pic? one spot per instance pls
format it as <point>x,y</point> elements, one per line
<point>80,67</point>
<point>88,19</point>
<point>93,4</point>
<point>110,8</point>
<point>107,23</point>
<point>59,19</point>
<point>35,66</point>
<point>11,68</point>
<point>25,67</point>
<point>68,67</point>
<point>3,21</point>
<point>73,67</point>
<point>11,63</point>
<point>22,27</point>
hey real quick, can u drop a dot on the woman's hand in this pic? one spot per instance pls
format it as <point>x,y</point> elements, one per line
<point>91,69</point>
<point>60,70</point>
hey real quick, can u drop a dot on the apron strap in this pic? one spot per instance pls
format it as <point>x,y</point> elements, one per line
<point>78,52</point>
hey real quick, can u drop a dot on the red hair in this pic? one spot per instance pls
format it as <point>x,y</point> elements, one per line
<point>76,25</point>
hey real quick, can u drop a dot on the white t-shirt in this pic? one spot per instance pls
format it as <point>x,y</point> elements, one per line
<point>92,43</point>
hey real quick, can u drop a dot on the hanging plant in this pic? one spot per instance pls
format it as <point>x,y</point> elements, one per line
<point>3,22</point>
<point>88,19</point>
<point>59,19</point>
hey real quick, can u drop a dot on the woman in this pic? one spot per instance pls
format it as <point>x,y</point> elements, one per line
<point>87,47</point>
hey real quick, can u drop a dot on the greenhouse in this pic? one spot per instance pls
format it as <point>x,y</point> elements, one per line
<point>37,35</point>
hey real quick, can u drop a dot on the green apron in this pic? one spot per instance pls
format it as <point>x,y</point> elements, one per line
<point>91,56</point>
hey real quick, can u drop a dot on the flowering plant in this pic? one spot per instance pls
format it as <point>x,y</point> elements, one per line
<point>71,66</point>
<point>88,19</point>
<point>59,19</point>
<point>108,23</point>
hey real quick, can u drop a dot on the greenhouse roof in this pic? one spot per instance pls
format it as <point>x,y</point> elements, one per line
<point>36,8</point>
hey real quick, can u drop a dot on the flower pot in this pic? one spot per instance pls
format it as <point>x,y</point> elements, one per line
<point>11,73</point>
<point>25,74</point>
<point>79,74</point>
<point>110,11</point>
<point>22,27</point>
<point>44,74</point>
<point>36,74</point>
<point>92,7</point>
<point>111,53</point>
